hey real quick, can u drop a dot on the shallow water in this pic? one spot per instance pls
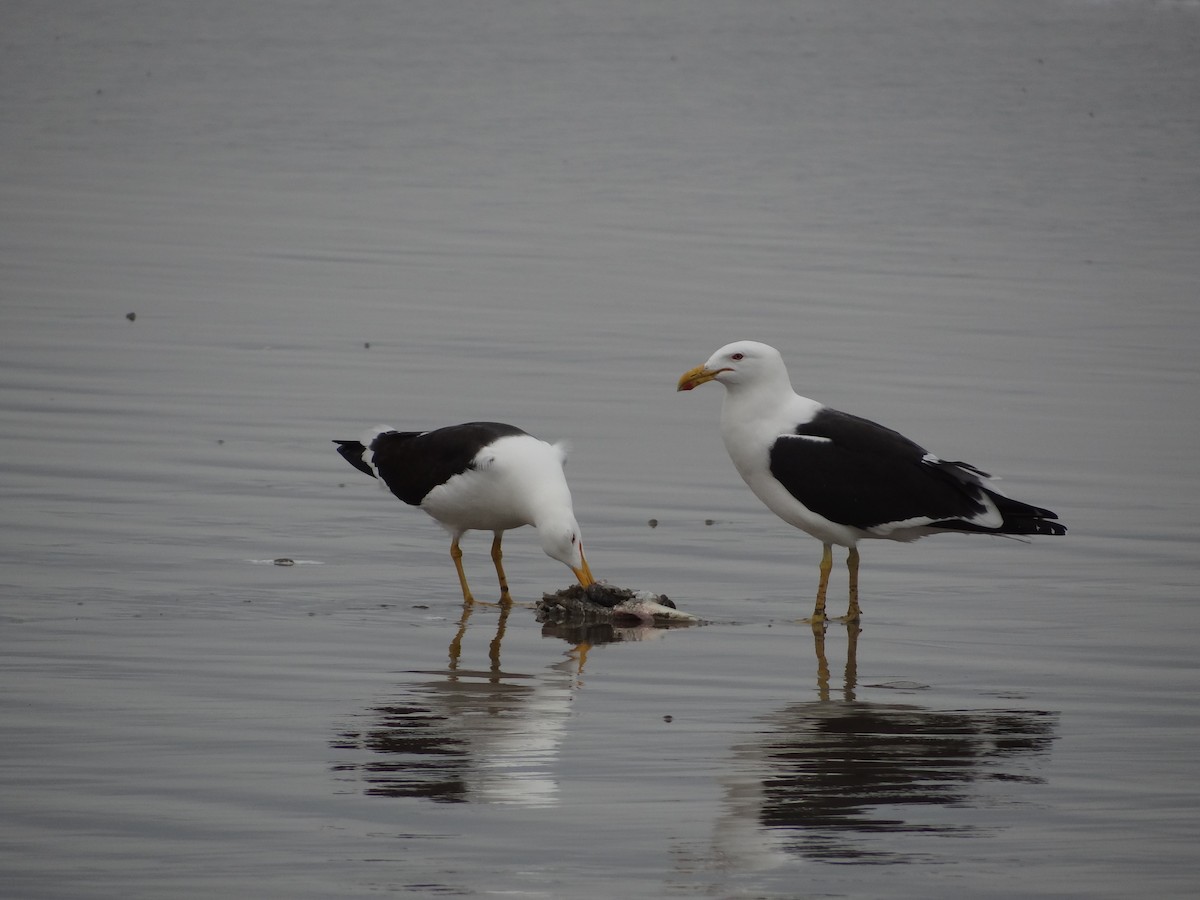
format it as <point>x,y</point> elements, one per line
<point>977,225</point>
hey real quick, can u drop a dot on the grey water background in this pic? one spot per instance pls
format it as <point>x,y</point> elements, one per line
<point>976,222</point>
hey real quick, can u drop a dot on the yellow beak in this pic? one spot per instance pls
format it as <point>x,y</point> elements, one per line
<point>695,377</point>
<point>584,572</point>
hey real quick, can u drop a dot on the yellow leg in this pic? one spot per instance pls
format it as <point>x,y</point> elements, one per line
<point>456,555</point>
<point>497,557</point>
<point>853,613</point>
<point>818,615</point>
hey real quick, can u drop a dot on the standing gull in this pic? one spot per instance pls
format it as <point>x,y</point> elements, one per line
<point>480,475</point>
<point>842,478</point>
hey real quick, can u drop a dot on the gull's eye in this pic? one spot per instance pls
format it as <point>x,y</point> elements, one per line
<point>738,356</point>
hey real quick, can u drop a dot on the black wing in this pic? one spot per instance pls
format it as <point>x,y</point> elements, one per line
<point>856,472</point>
<point>412,463</point>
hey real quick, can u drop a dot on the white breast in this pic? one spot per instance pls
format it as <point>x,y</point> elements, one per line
<point>509,482</point>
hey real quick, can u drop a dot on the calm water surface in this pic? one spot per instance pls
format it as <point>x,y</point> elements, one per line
<point>975,223</point>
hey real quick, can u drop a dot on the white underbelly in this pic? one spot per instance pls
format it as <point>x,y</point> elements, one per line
<point>471,502</point>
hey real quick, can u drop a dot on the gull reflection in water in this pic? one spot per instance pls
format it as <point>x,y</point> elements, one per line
<point>840,780</point>
<point>475,734</point>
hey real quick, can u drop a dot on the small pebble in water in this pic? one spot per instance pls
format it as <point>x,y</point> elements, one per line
<point>710,521</point>
<point>131,316</point>
<point>653,523</point>
<point>284,561</point>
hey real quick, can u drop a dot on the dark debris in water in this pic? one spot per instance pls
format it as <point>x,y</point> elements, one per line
<point>604,594</point>
<point>603,602</point>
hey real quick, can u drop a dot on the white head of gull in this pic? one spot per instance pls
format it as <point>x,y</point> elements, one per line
<point>842,478</point>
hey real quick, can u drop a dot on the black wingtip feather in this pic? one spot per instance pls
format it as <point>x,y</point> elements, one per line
<point>1024,518</point>
<point>1019,519</point>
<point>352,452</point>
